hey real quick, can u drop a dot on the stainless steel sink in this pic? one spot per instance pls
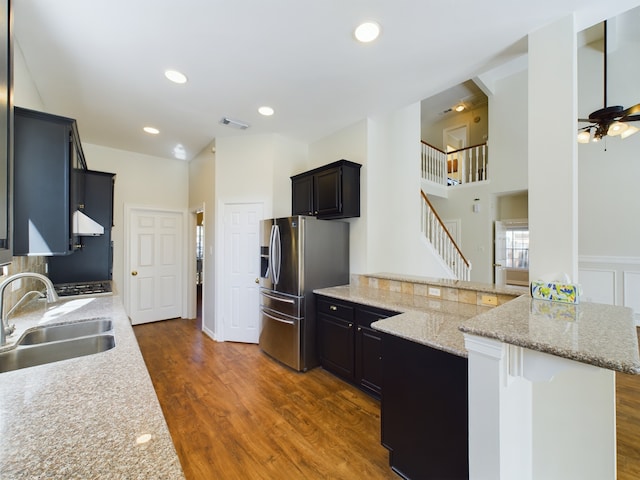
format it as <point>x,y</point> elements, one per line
<point>56,333</point>
<point>24,356</point>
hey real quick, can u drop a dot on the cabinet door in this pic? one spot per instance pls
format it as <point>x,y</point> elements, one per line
<point>368,367</point>
<point>424,410</point>
<point>328,192</point>
<point>368,349</point>
<point>336,345</point>
<point>42,225</point>
<point>302,196</point>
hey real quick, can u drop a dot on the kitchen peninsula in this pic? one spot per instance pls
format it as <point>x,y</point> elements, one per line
<point>541,384</point>
<point>95,416</point>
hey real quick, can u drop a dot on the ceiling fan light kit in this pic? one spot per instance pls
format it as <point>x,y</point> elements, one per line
<point>608,121</point>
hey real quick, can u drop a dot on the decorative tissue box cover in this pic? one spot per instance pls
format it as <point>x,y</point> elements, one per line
<point>555,291</point>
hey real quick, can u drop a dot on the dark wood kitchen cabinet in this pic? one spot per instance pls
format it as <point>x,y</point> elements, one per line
<point>92,262</point>
<point>348,346</point>
<point>424,409</point>
<point>328,192</point>
<point>335,321</point>
<point>48,186</point>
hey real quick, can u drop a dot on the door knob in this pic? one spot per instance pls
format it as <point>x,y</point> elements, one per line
<point>134,273</point>
<point>257,280</point>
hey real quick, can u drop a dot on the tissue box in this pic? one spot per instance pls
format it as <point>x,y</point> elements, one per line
<point>555,291</point>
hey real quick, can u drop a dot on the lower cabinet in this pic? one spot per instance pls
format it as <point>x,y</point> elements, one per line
<point>424,409</point>
<point>347,345</point>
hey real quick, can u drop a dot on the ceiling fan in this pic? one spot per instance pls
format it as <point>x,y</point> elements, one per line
<point>611,120</point>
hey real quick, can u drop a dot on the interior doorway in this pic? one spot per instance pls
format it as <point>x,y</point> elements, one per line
<point>154,257</point>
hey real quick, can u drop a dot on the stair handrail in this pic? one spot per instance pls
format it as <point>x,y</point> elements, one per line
<point>444,228</point>
<point>463,148</point>
<point>435,148</point>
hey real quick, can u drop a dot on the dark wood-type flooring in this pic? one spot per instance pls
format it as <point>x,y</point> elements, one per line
<point>234,413</point>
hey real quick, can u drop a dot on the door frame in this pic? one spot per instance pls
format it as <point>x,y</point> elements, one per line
<point>126,294</point>
<point>219,263</point>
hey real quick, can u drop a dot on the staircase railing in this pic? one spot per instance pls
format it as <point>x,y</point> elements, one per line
<point>466,165</point>
<point>433,163</point>
<point>434,230</point>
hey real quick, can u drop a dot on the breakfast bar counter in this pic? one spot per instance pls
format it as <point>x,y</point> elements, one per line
<point>95,416</point>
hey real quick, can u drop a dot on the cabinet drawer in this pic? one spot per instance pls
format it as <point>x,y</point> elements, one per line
<point>335,308</point>
<point>365,316</point>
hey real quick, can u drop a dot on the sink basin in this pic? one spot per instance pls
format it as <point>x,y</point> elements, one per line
<point>24,356</point>
<point>56,333</point>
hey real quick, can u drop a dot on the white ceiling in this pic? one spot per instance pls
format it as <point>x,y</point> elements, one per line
<point>102,61</point>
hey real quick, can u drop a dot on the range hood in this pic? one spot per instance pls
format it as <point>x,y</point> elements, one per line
<point>85,226</point>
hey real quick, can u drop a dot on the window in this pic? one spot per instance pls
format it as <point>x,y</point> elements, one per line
<point>517,248</point>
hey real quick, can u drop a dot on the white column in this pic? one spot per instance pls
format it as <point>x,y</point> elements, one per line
<point>499,413</point>
<point>552,162</point>
<point>537,416</point>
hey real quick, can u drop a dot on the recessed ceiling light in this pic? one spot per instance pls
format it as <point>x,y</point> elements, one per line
<point>175,76</point>
<point>460,107</point>
<point>151,130</point>
<point>367,32</point>
<point>266,111</point>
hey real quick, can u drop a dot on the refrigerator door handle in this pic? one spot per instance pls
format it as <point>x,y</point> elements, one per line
<point>278,254</point>
<point>271,273</point>
<point>279,299</point>
<point>289,322</point>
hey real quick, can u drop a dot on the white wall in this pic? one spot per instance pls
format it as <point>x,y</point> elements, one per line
<point>397,244</point>
<point>141,180</point>
<point>476,232</point>
<point>608,179</point>
<point>508,134</point>
<point>202,196</point>
<point>476,131</point>
<point>252,169</point>
<point>350,144</point>
<point>25,92</point>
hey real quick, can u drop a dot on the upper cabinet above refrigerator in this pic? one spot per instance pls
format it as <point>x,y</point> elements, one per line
<point>328,192</point>
<point>48,185</point>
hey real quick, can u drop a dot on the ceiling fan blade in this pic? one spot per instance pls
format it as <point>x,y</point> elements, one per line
<point>585,120</point>
<point>630,118</point>
<point>631,112</point>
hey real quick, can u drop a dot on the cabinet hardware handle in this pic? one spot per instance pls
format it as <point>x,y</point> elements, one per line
<point>333,308</point>
<point>359,329</point>
<point>350,325</point>
<point>134,273</point>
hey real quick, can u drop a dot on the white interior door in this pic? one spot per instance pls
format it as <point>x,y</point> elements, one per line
<point>241,269</point>
<point>500,253</point>
<point>155,265</point>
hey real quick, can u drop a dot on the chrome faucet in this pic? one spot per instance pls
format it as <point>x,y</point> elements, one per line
<point>52,296</point>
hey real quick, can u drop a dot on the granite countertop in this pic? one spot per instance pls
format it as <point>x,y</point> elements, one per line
<point>600,335</point>
<point>595,334</point>
<point>83,418</point>
<point>425,320</point>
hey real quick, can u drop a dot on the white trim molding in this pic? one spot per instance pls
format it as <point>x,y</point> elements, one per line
<point>613,280</point>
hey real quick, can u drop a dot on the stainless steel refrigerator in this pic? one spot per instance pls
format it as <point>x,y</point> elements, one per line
<point>298,255</point>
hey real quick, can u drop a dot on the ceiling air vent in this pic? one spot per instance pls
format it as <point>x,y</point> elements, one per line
<point>234,123</point>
